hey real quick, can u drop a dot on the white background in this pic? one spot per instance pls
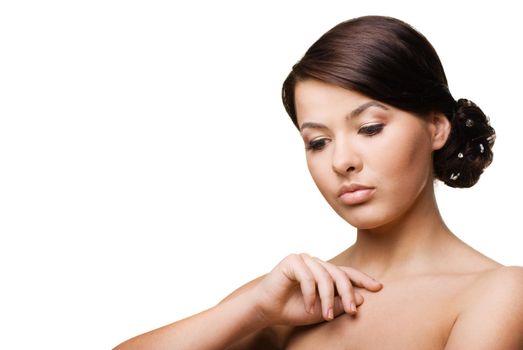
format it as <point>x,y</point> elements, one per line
<point>148,168</point>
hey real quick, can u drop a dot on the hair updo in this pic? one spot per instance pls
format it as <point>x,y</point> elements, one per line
<point>386,59</point>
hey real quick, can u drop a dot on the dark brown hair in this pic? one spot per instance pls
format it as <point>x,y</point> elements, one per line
<point>388,60</point>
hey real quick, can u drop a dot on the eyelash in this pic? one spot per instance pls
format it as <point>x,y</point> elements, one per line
<point>371,130</point>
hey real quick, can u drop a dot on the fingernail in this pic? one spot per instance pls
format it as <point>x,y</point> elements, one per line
<point>330,314</point>
<point>353,307</point>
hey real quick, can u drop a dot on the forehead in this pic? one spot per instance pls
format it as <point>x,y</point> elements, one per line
<point>316,100</point>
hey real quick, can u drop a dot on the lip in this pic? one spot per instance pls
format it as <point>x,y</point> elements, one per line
<point>355,194</point>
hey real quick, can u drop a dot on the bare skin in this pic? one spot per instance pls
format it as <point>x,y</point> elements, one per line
<point>410,312</point>
<point>433,291</point>
<point>298,291</point>
<point>431,278</point>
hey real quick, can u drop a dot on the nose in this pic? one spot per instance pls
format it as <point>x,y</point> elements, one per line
<point>345,158</point>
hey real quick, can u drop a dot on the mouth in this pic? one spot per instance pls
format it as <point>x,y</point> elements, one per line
<point>355,194</point>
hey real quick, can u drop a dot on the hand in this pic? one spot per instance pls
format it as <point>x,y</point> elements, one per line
<point>288,294</point>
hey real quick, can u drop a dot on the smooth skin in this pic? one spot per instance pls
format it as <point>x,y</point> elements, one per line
<point>298,291</point>
<point>402,239</point>
<point>436,292</point>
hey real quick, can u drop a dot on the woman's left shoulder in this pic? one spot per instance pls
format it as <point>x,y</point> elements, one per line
<point>492,312</point>
<point>504,276</point>
<point>502,281</point>
<point>489,276</point>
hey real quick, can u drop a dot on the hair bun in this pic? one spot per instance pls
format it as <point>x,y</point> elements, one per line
<point>468,150</point>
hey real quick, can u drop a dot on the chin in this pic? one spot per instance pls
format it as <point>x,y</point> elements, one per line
<point>365,217</point>
<point>366,224</point>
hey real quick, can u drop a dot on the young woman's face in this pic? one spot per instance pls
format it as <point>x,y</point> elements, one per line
<point>383,154</point>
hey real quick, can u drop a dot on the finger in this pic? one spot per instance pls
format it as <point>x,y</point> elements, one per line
<point>359,298</point>
<point>325,286</point>
<point>361,279</point>
<point>301,273</point>
<point>343,286</point>
<point>338,307</point>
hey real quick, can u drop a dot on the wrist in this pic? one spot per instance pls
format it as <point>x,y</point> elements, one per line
<point>244,308</point>
<point>251,300</point>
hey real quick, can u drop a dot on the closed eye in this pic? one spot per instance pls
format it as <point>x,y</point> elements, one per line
<point>316,145</point>
<point>371,130</point>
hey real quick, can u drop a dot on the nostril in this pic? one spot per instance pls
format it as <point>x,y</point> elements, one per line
<point>351,168</point>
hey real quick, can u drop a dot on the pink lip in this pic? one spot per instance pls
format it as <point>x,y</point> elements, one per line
<point>355,194</point>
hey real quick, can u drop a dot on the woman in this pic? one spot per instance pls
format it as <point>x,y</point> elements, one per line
<point>371,102</point>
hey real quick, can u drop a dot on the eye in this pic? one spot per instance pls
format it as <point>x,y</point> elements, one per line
<point>371,130</point>
<point>316,145</point>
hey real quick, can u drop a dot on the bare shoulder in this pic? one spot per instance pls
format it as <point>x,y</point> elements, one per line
<point>492,312</point>
<point>500,282</point>
<point>508,274</point>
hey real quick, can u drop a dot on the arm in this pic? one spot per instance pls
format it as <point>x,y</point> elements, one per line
<point>493,320</point>
<point>215,328</point>
<point>268,338</point>
<point>300,290</point>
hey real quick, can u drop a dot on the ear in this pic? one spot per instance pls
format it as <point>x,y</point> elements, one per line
<point>440,130</point>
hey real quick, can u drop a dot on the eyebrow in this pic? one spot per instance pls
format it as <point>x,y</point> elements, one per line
<point>356,112</point>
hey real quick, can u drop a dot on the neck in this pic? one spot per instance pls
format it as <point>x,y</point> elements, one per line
<point>410,245</point>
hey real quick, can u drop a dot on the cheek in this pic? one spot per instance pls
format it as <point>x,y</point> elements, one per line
<point>406,166</point>
<point>405,156</point>
<point>317,170</point>
<point>322,174</point>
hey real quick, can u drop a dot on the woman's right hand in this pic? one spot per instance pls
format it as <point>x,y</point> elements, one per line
<point>302,290</point>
